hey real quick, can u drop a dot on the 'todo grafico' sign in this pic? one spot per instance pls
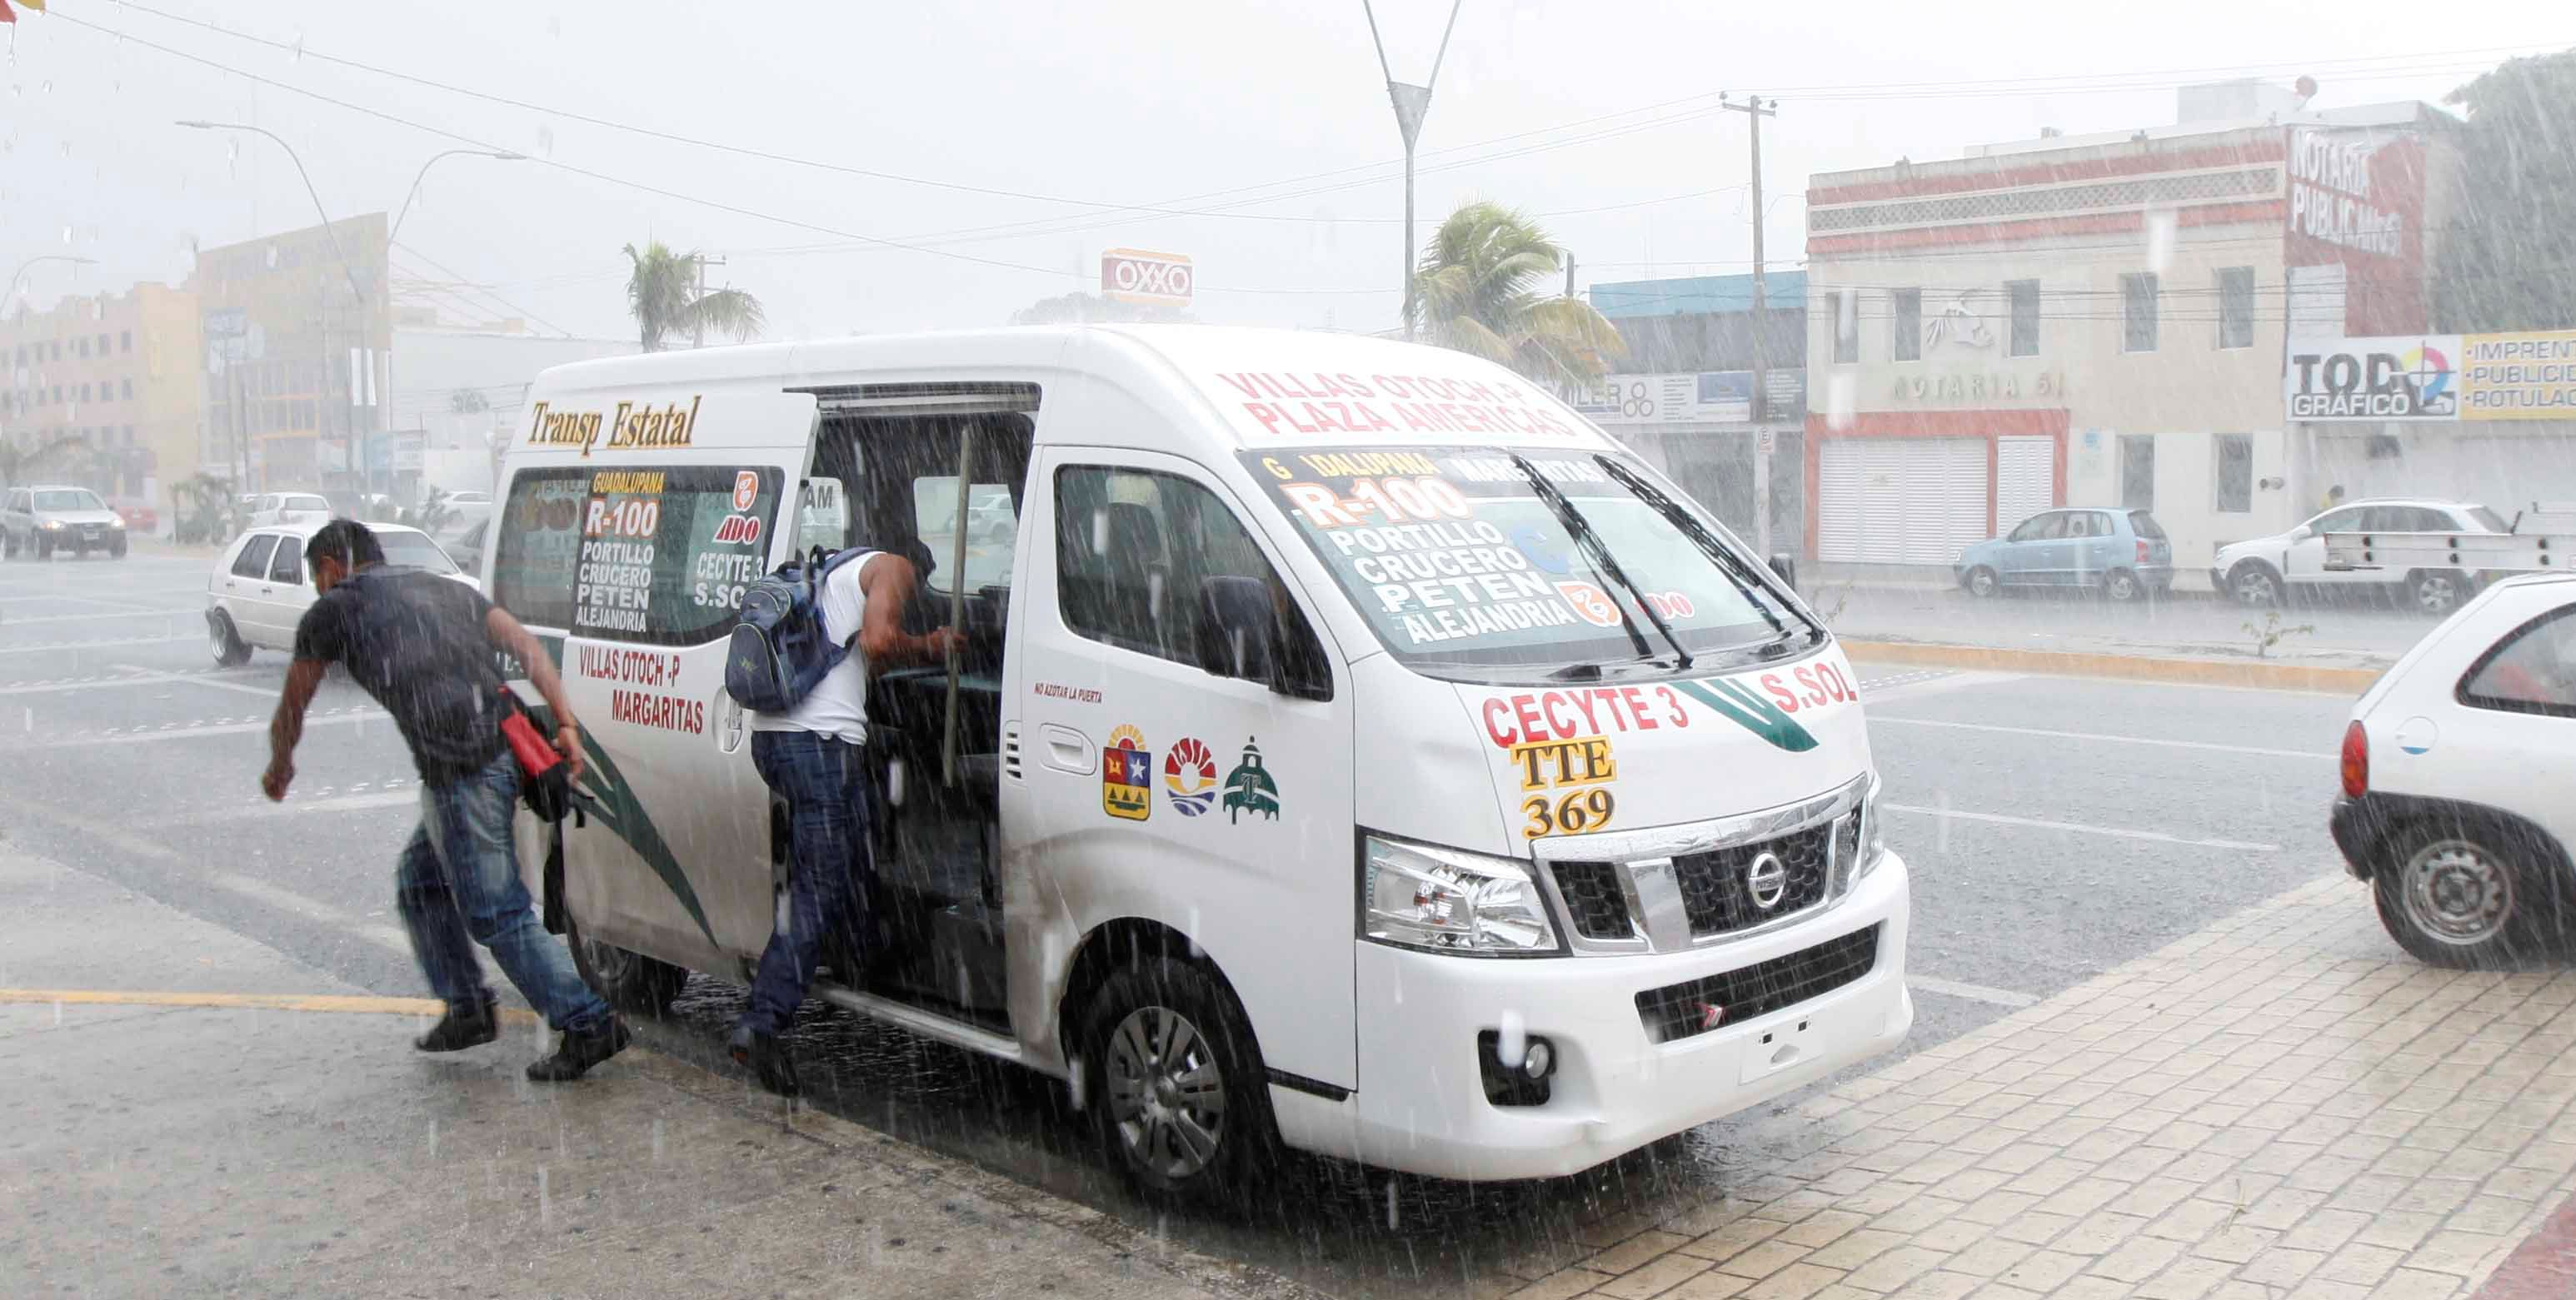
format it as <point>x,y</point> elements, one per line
<point>1134,275</point>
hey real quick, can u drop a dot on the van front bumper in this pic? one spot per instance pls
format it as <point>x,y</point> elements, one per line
<point>1422,1104</point>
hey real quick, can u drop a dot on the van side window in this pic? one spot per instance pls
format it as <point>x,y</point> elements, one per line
<point>1133,548</point>
<point>992,527</point>
<point>659,556</point>
<point>253,560</point>
<point>822,515</point>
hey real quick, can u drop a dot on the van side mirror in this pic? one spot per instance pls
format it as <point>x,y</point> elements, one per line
<point>1239,635</point>
<point>1785,568</point>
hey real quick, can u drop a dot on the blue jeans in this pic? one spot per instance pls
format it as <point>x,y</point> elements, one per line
<point>825,786</point>
<point>459,878</point>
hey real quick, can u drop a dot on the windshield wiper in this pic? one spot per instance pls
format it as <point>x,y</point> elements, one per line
<point>1728,561</point>
<point>1580,529</point>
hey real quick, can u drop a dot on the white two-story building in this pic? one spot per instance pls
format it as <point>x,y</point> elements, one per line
<point>2096,321</point>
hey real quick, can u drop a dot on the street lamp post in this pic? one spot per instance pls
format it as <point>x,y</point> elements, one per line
<point>410,193</point>
<point>347,271</point>
<point>1411,103</point>
<point>38,260</point>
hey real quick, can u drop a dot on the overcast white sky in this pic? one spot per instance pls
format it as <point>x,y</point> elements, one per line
<point>1141,102</point>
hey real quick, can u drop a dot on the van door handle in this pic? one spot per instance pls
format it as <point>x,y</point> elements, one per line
<point>1067,750</point>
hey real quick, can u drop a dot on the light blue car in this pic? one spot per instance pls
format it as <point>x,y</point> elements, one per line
<point>2123,554</point>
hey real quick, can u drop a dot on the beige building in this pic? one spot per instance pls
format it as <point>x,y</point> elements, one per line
<point>2096,322</point>
<point>119,372</point>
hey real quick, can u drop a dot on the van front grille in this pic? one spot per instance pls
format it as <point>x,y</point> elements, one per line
<point>1717,888</point>
<point>1598,907</point>
<point>1686,1010</point>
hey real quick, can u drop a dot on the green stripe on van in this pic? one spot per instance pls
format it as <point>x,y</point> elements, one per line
<point>1748,708</point>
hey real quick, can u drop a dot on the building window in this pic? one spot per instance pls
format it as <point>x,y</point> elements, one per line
<point>2024,298</point>
<point>2236,306</point>
<point>80,347</point>
<point>102,345</point>
<point>127,387</point>
<point>2232,471</point>
<point>2137,471</point>
<point>1905,331</point>
<point>125,341</point>
<point>84,392</point>
<point>1846,326</point>
<point>2138,312</point>
<point>129,435</point>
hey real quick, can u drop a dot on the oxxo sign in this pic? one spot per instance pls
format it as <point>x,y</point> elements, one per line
<point>1133,275</point>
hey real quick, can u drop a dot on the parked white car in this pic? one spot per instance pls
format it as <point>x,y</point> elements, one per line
<point>2266,570</point>
<point>274,508</point>
<point>259,590</point>
<point>2457,768</point>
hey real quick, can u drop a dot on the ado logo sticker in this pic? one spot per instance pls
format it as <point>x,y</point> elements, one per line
<point>746,488</point>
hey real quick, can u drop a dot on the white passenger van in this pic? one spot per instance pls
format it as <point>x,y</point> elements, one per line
<point>1356,747</point>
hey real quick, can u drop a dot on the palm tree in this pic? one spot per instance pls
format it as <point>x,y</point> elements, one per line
<point>663,295</point>
<point>1480,289</point>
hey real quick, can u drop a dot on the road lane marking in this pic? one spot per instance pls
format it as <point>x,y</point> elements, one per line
<point>287,900</point>
<point>84,600</point>
<point>14,620</point>
<point>2122,832</point>
<point>262,809</point>
<point>335,1002</point>
<point>1972,992</point>
<point>100,645</point>
<point>132,677</point>
<point>175,732</point>
<point>1875,718</point>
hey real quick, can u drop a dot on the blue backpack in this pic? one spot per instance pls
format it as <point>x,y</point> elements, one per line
<point>780,649</point>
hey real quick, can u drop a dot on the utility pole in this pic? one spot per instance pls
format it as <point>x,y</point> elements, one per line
<point>702,259</point>
<point>1755,110</point>
<point>1411,103</point>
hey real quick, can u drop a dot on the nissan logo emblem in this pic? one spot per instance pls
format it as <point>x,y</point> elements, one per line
<point>1767,880</point>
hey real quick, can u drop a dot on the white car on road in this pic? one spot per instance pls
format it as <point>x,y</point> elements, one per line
<point>2457,772</point>
<point>259,589</point>
<point>273,508</point>
<point>2265,570</point>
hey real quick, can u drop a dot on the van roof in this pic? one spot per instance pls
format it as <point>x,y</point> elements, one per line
<point>1271,387</point>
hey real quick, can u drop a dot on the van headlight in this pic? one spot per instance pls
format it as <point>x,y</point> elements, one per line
<point>1447,900</point>
<point>1873,841</point>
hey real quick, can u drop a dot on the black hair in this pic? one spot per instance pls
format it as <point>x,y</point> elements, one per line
<point>345,540</point>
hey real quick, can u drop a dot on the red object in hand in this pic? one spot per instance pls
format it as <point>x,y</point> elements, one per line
<point>536,756</point>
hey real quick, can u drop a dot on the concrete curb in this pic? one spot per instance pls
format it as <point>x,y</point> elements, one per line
<point>2188,672</point>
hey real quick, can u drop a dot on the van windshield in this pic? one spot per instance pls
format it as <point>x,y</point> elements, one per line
<point>1461,563</point>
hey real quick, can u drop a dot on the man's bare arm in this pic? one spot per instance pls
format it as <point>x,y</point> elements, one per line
<point>512,637</point>
<point>888,583</point>
<point>303,678</point>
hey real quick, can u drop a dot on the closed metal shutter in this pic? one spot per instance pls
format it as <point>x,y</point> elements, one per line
<point>1899,500</point>
<point>2025,479</point>
<point>1838,499</point>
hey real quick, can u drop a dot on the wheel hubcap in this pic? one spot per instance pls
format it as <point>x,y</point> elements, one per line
<point>2255,589</point>
<point>2457,893</point>
<point>1166,1095</point>
<point>2435,593</point>
<point>2123,587</point>
<point>1983,583</point>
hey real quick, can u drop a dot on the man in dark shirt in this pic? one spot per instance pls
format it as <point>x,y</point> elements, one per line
<point>422,646</point>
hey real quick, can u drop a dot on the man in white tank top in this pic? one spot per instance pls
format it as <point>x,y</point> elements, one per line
<point>810,755</point>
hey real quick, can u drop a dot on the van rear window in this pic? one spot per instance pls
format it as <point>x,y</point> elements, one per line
<point>657,555</point>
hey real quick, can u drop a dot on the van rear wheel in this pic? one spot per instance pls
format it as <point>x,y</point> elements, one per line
<point>1175,1082</point>
<point>629,981</point>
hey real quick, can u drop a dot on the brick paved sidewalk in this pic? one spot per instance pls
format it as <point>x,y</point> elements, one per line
<point>2279,1106</point>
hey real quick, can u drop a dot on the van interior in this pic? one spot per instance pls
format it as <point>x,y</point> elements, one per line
<point>934,884</point>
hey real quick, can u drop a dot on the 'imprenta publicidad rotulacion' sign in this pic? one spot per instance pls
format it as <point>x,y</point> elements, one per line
<point>2467,377</point>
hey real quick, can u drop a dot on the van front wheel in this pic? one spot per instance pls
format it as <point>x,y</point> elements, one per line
<point>1176,1084</point>
<point>630,981</point>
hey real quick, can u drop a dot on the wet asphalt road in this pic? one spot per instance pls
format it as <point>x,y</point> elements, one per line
<point>2054,827</point>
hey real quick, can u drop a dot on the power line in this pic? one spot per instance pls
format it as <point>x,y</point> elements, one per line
<point>436,265</point>
<point>717,204</point>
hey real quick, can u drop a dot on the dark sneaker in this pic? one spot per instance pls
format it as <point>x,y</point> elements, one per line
<point>760,1053</point>
<point>465,1025</point>
<point>576,1051</point>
